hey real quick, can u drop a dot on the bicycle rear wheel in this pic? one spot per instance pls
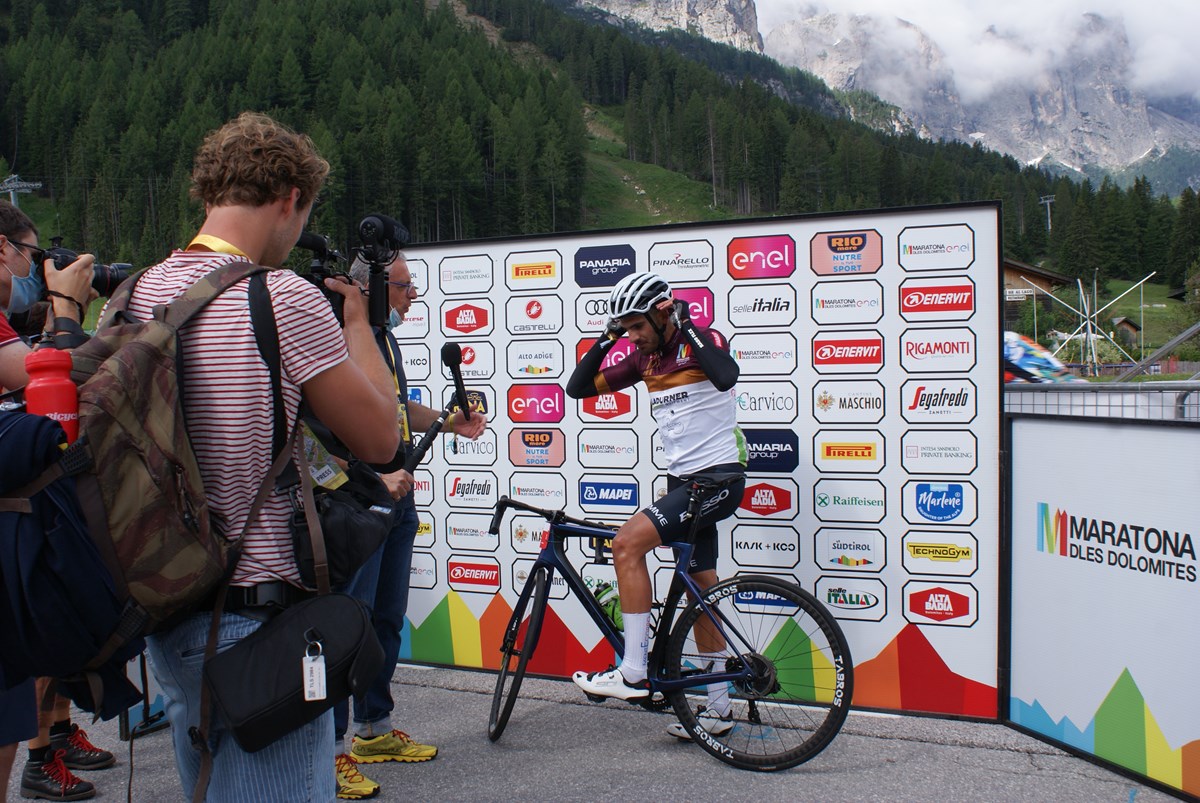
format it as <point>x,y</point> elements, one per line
<point>799,693</point>
<point>520,640</point>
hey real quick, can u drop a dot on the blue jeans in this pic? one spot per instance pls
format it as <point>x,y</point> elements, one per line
<point>298,767</point>
<point>382,585</point>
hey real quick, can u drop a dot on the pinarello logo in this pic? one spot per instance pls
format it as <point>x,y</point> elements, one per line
<point>466,318</point>
<point>535,403</point>
<point>700,304</point>
<point>939,603</point>
<point>620,350</point>
<point>533,310</point>
<point>608,405</point>
<point>859,351</point>
<point>479,575</point>
<point>468,355</point>
<point>938,298</point>
<point>766,499</point>
<point>762,257</point>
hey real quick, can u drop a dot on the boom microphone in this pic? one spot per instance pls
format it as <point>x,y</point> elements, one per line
<point>452,359</point>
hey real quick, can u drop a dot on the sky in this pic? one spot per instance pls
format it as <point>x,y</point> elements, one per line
<point>1164,35</point>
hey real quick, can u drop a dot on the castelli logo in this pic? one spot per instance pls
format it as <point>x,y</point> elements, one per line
<point>468,355</point>
<point>534,309</point>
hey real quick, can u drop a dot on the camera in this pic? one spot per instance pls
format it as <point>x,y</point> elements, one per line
<point>382,238</point>
<point>324,265</point>
<point>105,278</point>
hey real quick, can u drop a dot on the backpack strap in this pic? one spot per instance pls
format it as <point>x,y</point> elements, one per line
<point>204,290</point>
<point>266,333</point>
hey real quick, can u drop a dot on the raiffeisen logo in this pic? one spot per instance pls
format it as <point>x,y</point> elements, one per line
<point>1052,530</point>
<point>771,257</point>
<point>535,403</point>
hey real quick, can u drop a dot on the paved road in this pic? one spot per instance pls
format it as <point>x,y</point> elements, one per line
<point>559,747</point>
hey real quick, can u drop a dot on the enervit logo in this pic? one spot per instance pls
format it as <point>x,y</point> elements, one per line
<point>471,488</point>
<point>547,490</point>
<point>938,401</point>
<point>772,547</point>
<point>700,304</point>
<point>772,450</point>
<point>603,265</point>
<point>535,404</point>
<point>467,318</point>
<point>618,352</point>
<point>544,448</point>
<point>848,352</point>
<point>534,315</point>
<point>769,500</point>
<point>860,598</point>
<point>758,305</point>
<point>944,299</point>
<point>767,402</point>
<point>423,572</point>
<point>533,270</point>
<point>591,313</point>
<point>844,253</point>
<point>1052,530</point>
<point>610,447</point>
<point>416,361</point>
<point>771,354</point>
<point>601,494</point>
<point>839,303</point>
<point>608,406</point>
<point>842,549</point>
<point>469,531</point>
<point>937,350</point>
<point>466,452</point>
<point>941,451</point>
<point>937,247</point>
<point>940,553</point>
<point>478,361</point>
<point>848,401</point>
<point>473,574</point>
<point>535,359</point>
<point>463,275</point>
<point>685,261</point>
<point>849,500</point>
<point>849,451</point>
<point>772,257</point>
<point>951,604</point>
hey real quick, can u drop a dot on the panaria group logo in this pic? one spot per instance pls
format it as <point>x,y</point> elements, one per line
<point>944,299</point>
<point>772,257</point>
<point>941,604</point>
<point>474,574</point>
<point>603,265</point>
<point>535,403</point>
<point>848,352</point>
<point>467,318</point>
<point>845,253</point>
<point>772,450</point>
<point>537,447</point>
<point>608,406</point>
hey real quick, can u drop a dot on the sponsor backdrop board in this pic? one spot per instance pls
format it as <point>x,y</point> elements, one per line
<point>1104,573</point>
<point>869,396</point>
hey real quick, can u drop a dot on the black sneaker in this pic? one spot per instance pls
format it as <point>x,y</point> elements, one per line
<point>79,753</point>
<point>52,780</point>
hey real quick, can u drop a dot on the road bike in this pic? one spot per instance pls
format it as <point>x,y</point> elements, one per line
<point>785,659</point>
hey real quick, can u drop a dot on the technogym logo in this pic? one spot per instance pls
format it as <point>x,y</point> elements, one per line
<point>1052,530</point>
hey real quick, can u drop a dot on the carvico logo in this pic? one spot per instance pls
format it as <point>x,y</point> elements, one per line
<point>939,603</point>
<point>772,257</point>
<point>608,405</point>
<point>535,403</point>
<point>466,318</point>
<point>765,499</point>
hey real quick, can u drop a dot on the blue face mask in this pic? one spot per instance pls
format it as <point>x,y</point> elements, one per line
<point>26,291</point>
<point>394,319</point>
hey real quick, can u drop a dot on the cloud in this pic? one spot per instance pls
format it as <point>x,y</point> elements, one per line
<point>988,43</point>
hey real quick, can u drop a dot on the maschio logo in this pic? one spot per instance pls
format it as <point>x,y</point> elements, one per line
<point>466,274</point>
<point>939,501</point>
<point>837,303</point>
<point>762,305</point>
<point>535,403</point>
<point>772,450</point>
<point>534,315</point>
<point>767,402</point>
<point>945,299</point>
<point>768,499</point>
<point>937,350</point>
<point>951,604</point>
<point>848,353</point>
<point>937,247</point>
<point>848,401</point>
<point>771,354</point>
<point>477,575</point>
<point>860,598</point>
<point>771,257</point>
<point>533,270</point>
<point>846,550</point>
<point>598,496</point>
<point>537,447</point>
<point>608,406</point>
<point>938,451</point>
<point>1052,530</point>
<point>686,261</point>
<point>603,265</point>
<point>467,318</point>
<point>700,304</point>
<point>846,253</point>
<point>766,546</point>
<point>938,401</point>
<point>535,359</point>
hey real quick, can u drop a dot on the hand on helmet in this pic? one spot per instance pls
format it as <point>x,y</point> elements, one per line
<point>679,311</point>
<point>614,330</point>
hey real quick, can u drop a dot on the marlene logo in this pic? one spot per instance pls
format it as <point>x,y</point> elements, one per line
<point>535,403</point>
<point>771,257</point>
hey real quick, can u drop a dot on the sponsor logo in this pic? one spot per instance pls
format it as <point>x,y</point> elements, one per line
<point>423,572</point>
<point>949,247</point>
<point>772,257</point>
<point>607,406</point>
<point>859,598</point>
<point>462,275</point>
<point>1143,547</point>
<point>608,448</point>
<point>847,352</point>
<point>591,312</point>
<point>938,401</point>
<point>758,305</point>
<point>535,359</point>
<point>836,303</point>
<point>478,361</point>
<point>416,321</point>
<point>466,319</point>
<point>473,574</point>
<point>771,354</point>
<point>535,404</point>
<point>946,451</point>
<point>537,447</point>
<point>772,450</point>
<point>845,253</point>
<point>766,499</point>
<point>947,603</point>
<point>464,451</point>
<point>477,400</point>
<point>544,490</point>
<point>849,451</point>
<point>415,359</point>
<point>939,501</point>
<point>949,299</point>
<point>848,401</point>
<point>608,495</point>
<point>767,402</point>
<point>618,352</point>
<point>477,489</point>
<point>470,531</point>
<point>534,315</point>
<point>849,500</point>
<point>685,261</point>
<point>700,304</point>
<point>765,545</point>
<point>422,488</point>
<point>529,270</point>
<point>937,350</point>
<point>604,265</point>
<point>939,552</point>
<point>848,550</point>
<point>534,270</point>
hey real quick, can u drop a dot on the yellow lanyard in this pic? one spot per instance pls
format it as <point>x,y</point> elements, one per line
<point>207,242</point>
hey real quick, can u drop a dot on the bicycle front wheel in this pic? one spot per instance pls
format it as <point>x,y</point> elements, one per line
<point>520,640</point>
<point>797,695</point>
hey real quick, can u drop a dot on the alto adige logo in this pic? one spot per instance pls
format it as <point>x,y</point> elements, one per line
<point>467,318</point>
<point>603,265</point>
<point>535,359</point>
<point>846,253</point>
<point>937,350</point>
<point>533,270</point>
<point>848,352</point>
<point>772,257</point>
<point>951,604</point>
<point>473,574</point>
<point>937,247</point>
<point>938,401</point>
<point>535,403</point>
<point>685,261</point>
<point>948,299</point>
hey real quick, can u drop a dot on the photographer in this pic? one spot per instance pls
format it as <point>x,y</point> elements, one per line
<point>382,583</point>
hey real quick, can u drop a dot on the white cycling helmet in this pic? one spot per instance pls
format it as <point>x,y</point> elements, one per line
<point>637,293</point>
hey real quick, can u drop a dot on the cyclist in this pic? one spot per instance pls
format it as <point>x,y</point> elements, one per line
<point>690,376</point>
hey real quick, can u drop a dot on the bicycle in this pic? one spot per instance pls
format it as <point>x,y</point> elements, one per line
<point>786,658</point>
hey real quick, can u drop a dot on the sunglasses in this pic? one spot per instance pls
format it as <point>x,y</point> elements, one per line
<point>36,253</point>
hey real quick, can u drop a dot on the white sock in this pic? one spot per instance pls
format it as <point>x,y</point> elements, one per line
<point>718,693</point>
<point>637,639</point>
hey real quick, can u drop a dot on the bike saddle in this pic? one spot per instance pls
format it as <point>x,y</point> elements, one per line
<point>712,482</point>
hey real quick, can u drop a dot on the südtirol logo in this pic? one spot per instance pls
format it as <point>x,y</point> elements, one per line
<point>1152,548</point>
<point>771,257</point>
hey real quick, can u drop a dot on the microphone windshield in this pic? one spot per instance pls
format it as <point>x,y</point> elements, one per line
<point>310,241</point>
<point>451,354</point>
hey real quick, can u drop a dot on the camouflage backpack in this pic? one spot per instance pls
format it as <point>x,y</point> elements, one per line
<point>136,479</point>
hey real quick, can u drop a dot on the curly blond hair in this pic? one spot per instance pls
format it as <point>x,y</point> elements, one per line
<point>253,160</point>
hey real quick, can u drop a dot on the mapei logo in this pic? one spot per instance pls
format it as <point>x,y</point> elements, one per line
<point>946,299</point>
<point>473,574</point>
<point>765,499</point>
<point>772,257</point>
<point>848,352</point>
<point>535,403</point>
<point>608,406</point>
<point>1052,530</point>
<point>939,501</point>
<point>466,318</point>
<point>608,494</point>
<point>603,265</point>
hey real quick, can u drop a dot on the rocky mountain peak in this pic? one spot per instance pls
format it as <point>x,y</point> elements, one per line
<point>730,22</point>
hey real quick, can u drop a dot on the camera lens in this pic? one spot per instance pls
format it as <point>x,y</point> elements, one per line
<point>106,278</point>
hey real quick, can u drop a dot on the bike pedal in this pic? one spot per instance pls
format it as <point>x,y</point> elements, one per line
<point>595,698</point>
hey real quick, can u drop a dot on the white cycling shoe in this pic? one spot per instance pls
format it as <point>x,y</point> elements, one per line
<point>709,720</point>
<point>610,683</point>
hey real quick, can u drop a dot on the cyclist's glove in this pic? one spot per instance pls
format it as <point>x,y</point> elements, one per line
<point>614,331</point>
<point>679,313</point>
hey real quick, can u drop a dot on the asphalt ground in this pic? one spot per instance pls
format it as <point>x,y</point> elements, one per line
<point>559,747</point>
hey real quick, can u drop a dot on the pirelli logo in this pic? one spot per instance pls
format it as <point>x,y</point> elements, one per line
<point>848,451</point>
<point>948,553</point>
<point>533,270</point>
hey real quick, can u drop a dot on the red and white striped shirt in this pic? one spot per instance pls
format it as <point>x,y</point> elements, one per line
<point>227,394</point>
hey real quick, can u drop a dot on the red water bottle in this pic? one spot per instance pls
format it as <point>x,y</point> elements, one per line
<point>50,391</point>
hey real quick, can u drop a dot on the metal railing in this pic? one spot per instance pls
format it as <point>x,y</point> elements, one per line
<point>1171,401</point>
